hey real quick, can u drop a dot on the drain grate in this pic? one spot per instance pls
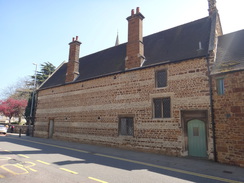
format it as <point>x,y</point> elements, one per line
<point>226,171</point>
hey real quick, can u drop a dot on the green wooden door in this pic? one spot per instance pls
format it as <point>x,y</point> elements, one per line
<point>196,138</point>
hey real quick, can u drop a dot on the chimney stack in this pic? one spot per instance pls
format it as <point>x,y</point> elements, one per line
<point>73,64</point>
<point>134,47</point>
<point>212,7</point>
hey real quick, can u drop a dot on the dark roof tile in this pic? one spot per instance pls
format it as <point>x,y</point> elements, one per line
<point>230,53</point>
<point>171,45</point>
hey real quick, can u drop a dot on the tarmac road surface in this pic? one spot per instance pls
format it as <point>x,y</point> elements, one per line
<point>29,159</point>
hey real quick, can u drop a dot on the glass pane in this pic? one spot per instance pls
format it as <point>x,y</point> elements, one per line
<point>195,131</point>
<point>161,78</point>
<point>130,129</point>
<point>123,130</point>
<point>220,86</point>
<point>157,108</point>
<point>166,108</point>
<point>126,126</point>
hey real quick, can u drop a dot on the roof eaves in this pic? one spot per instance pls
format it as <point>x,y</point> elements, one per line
<point>226,71</point>
<point>122,71</point>
<point>39,88</point>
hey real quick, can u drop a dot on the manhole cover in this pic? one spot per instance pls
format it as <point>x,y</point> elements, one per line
<point>14,161</point>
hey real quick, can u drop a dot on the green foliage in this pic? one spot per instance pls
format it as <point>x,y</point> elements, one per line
<point>28,108</point>
<point>46,70</point>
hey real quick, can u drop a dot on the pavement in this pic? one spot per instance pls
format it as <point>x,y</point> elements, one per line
<point>185,165</point>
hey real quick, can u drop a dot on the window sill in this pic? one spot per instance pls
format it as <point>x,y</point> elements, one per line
<point>162,119</point>
<point>125,137</point>
<point>160,88</point>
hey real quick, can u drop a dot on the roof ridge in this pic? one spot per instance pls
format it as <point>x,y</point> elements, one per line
<point>145,37</point>
<point>232,33</point>
<point>177,26</point>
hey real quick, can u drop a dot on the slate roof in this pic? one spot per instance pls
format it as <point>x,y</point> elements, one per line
<point>230,53</point>
<point>175,44</point>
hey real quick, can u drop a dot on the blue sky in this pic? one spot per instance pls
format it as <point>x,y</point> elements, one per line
<point>39,30</point>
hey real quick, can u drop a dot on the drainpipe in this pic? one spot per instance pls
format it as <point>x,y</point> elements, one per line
<point>212,109</point>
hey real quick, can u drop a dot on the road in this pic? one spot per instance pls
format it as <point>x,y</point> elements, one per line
<point>29,159</point>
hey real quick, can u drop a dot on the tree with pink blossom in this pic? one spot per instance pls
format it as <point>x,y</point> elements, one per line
<point>12,108</point>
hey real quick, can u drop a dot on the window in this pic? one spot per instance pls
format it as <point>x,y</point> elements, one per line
<point>126,126</point>
<point>220,86</point>
<point>162,107</point>
<point>161,78</point>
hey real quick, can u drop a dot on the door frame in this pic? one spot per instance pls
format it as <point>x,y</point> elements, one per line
<point>196,140</point>
<point>188,115</point>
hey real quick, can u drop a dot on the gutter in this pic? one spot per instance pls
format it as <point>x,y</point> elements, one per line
<point>121,71</point>
<point>212,109</point>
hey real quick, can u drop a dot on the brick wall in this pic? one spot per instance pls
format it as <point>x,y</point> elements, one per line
<point>89,111</point>
<point>134,47</point>
<point>73,64</point>
<point>229,118</point>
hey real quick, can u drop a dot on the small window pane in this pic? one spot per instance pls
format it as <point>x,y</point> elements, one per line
<point>123,126</point>
<point>130,128</point>
<point>161,78</point>
<point>220,86</point>
<point>166,107</point>
<point>162,107</point>
<point>195,131</point>
<point>158,108</point>
<point>126,126</point>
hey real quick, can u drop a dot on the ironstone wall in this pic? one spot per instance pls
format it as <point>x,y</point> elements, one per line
<point>229,118</point>
<point>89,111</point>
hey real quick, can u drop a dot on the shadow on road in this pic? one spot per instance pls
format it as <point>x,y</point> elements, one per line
<point>123,159</point>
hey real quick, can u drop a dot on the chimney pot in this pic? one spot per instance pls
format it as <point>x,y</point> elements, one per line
<point>134,47</point>
<point>137,10</point>
<point>132,12</point>
<point>73,63</point>
<point>212,7</point>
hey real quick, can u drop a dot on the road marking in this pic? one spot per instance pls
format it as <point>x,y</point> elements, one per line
<point>61,147</point>
<point>2,176</point>
<point>97,180</point>
<point>171,169</point>
<point>43,162</point>
<point>29,166</point>
<point>7,151</point>
<point>23,156</point>
<point>67,170</point>
<point>139,162</point>
<point>18,169</point>
<point>16,166</point>
<point>4,158</point>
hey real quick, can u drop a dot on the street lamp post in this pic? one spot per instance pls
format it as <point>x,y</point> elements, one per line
<point>32,101</point>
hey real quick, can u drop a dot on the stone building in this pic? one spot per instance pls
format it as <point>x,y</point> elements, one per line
<point>228,98</point>
<point>152,93</point>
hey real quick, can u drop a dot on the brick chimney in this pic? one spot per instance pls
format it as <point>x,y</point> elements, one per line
<point>134,47</point>
<point>212,7</point>
<point>73,64</point>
